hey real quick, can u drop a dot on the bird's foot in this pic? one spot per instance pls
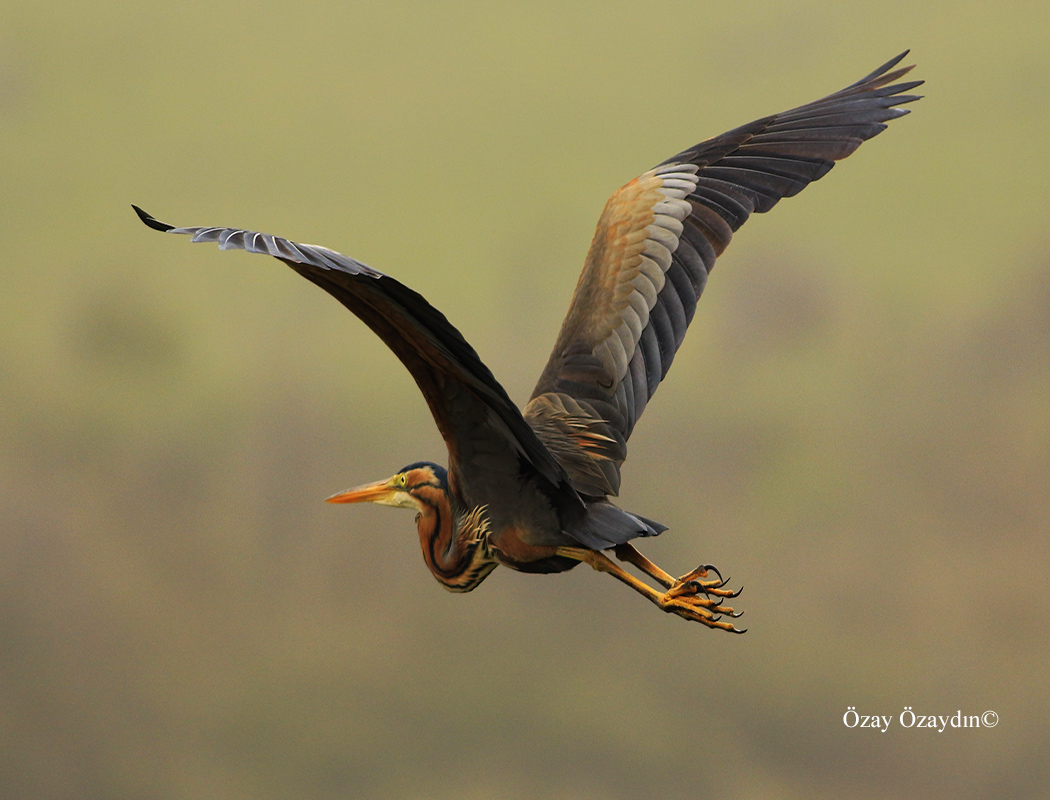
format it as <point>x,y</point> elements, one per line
<point>694,583</point>
<point>701,600</point>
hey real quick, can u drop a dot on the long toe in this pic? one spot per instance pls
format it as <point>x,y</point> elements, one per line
<point>699,608</point>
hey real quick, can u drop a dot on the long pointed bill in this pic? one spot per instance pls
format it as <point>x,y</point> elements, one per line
<point>378,492</point>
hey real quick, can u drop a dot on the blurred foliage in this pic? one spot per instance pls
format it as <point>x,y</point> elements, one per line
<point>857,429</point>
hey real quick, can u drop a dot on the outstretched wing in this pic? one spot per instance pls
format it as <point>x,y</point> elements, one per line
<point>484,431</point>
<point>655,245</point>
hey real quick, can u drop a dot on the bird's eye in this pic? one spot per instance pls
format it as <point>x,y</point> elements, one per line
<point>402,479</point>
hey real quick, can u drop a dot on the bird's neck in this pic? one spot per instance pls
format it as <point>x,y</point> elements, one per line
<point>455,545</point>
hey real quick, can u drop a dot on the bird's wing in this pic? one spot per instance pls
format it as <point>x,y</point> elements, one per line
<point>483,429</point>
<point>654,247</point>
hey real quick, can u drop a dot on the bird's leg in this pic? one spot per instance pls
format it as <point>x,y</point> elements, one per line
<point>688,604</point>
<point>627,552</point>
<point>691,583</point>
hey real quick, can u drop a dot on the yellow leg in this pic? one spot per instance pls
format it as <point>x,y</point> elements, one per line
<point>690,583</point>
<point>628,553</point>
<point>683,597</point>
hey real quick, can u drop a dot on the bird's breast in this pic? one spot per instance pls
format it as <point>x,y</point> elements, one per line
<point>512,547</point>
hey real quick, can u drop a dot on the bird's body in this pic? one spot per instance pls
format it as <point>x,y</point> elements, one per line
<point>530,489</point>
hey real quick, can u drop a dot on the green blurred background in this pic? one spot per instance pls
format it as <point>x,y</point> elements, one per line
<point>857,428</point>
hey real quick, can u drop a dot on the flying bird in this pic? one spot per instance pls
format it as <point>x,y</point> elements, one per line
<point>531,489</point>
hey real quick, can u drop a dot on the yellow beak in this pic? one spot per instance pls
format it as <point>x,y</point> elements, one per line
<point>378,492</point>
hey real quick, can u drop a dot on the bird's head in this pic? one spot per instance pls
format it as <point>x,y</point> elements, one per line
<point>403,490</point>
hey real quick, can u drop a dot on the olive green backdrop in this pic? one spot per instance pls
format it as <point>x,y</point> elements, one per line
<point>857,428</point>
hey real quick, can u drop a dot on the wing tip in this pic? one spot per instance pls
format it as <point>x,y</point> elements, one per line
<point>151,221</point>
<point>893,62</point>
<point>883,75</point>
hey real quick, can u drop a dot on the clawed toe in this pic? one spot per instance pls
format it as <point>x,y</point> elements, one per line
<point>697,575</point>
<point>693,583</point>
<point>701,600</point>
<point>700,608</point>
<point>693,596</point>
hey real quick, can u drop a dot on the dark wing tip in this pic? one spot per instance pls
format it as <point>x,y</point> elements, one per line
<point>156,224</point>
<point>886,68</point>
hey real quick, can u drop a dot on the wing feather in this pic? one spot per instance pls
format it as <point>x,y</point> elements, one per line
<point>656,244</point>
<point>476,418</point>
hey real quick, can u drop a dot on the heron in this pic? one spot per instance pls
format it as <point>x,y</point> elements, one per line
<point>531,489</point>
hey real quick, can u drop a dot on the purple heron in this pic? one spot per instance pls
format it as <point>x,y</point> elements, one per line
<point>530,489</point>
